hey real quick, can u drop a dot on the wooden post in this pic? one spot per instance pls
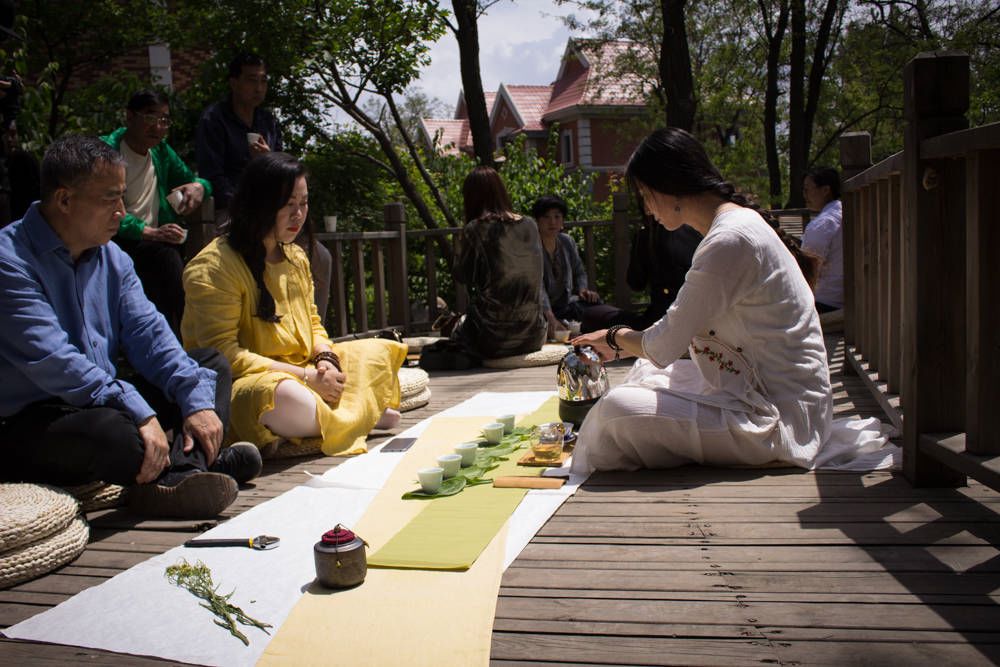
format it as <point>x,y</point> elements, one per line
<point>338,288</point>
<point>360,286</point>
<point>623,294</point>
<point>399,281</point>
<point>882,272</point>
<point>855,157</point>
<point>982,418</point>
<point>895,313</point>
<point>461,293</point>
<point>935,99</point>
<point>378,283</point>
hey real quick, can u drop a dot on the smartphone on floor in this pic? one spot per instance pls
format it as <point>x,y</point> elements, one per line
<point>397,445</point>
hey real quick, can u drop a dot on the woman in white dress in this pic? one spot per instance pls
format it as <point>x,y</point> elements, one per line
<point>757,387</point>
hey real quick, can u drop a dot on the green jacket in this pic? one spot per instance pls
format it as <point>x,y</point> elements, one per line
<point>170,173</point>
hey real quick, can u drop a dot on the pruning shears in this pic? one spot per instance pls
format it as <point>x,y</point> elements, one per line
<point>260,543</point>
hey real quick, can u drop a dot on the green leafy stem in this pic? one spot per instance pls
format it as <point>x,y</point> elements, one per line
<point>197,579</point>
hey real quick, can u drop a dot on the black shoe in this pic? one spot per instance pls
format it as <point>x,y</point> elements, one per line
<point>199,495</point>
<point>241,461</point>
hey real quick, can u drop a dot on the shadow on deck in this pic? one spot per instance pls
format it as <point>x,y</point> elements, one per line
<point>692,566</point>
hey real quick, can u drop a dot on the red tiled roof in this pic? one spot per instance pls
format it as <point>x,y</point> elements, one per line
<point>454,134</point>
<point>588,77</point>
<point>530,102</point>
<point>462,112</point>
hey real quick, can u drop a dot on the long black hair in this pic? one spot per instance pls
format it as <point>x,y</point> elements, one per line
<point>265,186</point>
<point>673,162</point>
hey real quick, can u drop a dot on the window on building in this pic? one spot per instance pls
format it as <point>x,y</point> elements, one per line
<point>566,147</point>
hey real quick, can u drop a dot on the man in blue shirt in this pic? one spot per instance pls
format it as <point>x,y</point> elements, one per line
<point>70,303</point>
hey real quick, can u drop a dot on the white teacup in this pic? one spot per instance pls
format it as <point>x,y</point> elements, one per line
<point>176,199</point>
<point>253,138</point>
<point>561,335</point>
<point>493,432</point>
<point>467,450</point>
<point>430,479</point>
<point>450,464</point>
<point>184,235</point>
<point>330,223</point>
<point>508,423</point>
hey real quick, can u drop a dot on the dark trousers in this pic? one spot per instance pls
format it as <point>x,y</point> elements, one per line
<point>53,442</point>
<point>160,267</point>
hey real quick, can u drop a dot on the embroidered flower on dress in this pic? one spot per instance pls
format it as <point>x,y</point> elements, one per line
<point>717,357</point>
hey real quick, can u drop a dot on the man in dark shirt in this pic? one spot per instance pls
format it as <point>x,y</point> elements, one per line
<point>233,132</point>
<point>70,304</point>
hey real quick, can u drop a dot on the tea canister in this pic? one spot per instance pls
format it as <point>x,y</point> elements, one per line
<point>340,558</point>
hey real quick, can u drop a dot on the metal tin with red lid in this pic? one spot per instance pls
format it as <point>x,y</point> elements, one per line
<point>340,558</point>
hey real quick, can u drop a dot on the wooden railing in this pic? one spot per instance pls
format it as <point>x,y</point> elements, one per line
<point>922,282</point>
<point>392,288</point>
<point>387,265</point>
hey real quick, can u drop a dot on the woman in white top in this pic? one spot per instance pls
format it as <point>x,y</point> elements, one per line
<point>757,387</point>
<point>823,236</point>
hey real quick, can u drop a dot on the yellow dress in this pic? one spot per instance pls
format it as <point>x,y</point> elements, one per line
<point>220,301</point>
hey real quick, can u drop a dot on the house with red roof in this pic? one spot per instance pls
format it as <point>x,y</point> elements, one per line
<point>595,109</point>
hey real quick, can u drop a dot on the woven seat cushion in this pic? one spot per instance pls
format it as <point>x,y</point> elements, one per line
<point>97,496</point>
<point>547,356</point>
<point>40,557</point>
<point>415,401</point>
<point>287,450</point>
<point>31,512</point>
<point>412,381</point>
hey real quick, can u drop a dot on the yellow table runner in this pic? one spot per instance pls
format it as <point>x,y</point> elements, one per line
<point>420,617</point>
<point>451,532</point>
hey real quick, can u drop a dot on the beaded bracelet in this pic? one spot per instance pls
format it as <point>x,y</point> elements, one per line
<point>326,355</point>
<point>610,338</point>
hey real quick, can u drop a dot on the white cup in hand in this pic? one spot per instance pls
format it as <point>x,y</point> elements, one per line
<point>253,138</point>
<point>176,199</point>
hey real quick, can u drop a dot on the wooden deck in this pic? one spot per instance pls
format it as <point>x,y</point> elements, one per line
<point>693,566</point>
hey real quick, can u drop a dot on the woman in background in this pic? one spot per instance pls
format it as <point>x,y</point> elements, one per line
<point>250,295</point>
<point>500,261</point>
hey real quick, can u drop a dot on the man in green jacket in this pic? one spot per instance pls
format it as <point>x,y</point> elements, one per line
<point>159,190</point>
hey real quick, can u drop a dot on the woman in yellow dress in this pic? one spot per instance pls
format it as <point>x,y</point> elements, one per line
<point>249,294</point>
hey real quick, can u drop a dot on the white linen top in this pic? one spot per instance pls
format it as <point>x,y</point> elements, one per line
<point>747,313</point>
<point>824,236</point>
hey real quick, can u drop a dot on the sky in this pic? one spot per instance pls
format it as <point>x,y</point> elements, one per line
<point>520,42</point>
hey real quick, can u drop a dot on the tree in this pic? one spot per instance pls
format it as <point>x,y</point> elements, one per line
<point>675,66</point>
<point>774,34</point>
<point>345,52</point>
<point>66,62</point>
<point>466,32</point>
<point>804,93</point>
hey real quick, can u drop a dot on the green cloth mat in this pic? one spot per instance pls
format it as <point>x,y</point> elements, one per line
<point>451,532</point>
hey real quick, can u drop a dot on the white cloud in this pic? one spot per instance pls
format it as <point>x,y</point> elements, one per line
<point>519,43</point>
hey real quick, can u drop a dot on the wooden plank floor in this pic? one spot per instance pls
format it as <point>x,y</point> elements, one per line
<point>693,566</point>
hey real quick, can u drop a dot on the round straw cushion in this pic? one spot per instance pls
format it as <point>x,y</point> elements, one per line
<point>31,512</point>
<point>415,401</point>
<point>547,356</point>
<point>412,381</point>
<point>42,556</point>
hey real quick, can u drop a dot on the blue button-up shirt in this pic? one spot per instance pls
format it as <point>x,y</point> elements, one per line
<point>63,324</point>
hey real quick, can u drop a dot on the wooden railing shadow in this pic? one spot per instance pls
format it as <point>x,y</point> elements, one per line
<point>924,540</point>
